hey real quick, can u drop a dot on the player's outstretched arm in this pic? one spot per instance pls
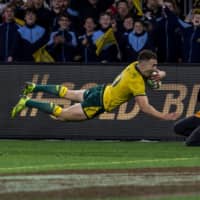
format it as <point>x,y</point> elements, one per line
<point>147,108</point>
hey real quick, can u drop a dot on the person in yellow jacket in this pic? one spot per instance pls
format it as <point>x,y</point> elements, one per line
<point>131,82</point>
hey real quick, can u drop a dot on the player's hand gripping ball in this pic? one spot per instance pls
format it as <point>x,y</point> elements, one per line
<point>154,84</point>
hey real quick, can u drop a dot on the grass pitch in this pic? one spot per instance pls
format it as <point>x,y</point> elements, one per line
<point>34,156</point>
<point>18,157</point>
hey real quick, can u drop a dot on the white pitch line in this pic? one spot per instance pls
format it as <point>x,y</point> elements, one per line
<point>94,164</point>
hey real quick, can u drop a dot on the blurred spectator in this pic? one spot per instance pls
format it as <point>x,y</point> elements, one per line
<point>8,32</point>
<point>137,40</point>
<point>151,9</point>
<point>19,7</point>
<point>43,14</point>
<point>167,34</point>
<point>65,4</point>
<point>132,9</point>
<point>191,38</point>
<point>87,47</point>
<point>196,4</point>
<point>190,33</point>
<point>76,20</point>
<point>56,9</point>
<point>173,39</point>
<point>128,24</point>
<point>89,8</point>
<point>63,43</point>
<point>30,37</point>
<point>122,12</point>
<point>110,51</point>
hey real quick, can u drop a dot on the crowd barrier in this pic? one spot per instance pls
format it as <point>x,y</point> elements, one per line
<point>177,93</point>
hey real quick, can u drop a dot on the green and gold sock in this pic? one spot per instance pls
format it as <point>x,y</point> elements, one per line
<point>46,107</point>
<point>58,90</point>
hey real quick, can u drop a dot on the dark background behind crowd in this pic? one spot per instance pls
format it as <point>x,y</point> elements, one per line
<point>69,30</point>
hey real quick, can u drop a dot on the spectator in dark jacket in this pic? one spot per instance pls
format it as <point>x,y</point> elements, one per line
<point>43,14</point>
<point>30,37</point>
<point>136,41</point>
<point>191,38</point>
<point>128,25</point>
<point>151,9</point>
<point>8,32</point>
<point>167,34</point>
<point>190,33</point>
<point>87,47</point>
<point>122,13</point>
<point>63,42</point>
<point>56,10</point>
<point>94,8</point>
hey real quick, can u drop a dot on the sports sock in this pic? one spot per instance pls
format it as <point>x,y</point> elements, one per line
<point>46,107</point>
<point>57,90</point>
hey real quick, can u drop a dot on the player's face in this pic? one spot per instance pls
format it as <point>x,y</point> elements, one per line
<point>150,66</point>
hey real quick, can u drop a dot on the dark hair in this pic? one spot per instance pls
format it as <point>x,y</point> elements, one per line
<point>9,6</point>
<point>30,10</point>
<point>105,13</point>
<point>139,21</point>
<point>121,1</point>
<point>127,17</point>
<point>146,55</point>
<point>65,15</point>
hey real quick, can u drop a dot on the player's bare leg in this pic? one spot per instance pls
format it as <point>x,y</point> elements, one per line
<point>74,95</point>
<point>58,90</point>
<point>72,113</point>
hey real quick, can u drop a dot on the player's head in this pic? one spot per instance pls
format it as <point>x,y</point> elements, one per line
<point>147,62</point>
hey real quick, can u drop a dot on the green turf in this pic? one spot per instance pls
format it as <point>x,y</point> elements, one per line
<point>179,197</point>
<point>33,156</point>
<point>190,197</point>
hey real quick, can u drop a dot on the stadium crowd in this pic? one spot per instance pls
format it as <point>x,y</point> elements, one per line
<point>98,31</point>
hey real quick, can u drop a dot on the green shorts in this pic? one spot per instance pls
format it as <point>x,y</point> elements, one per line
<point>93,101</point>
